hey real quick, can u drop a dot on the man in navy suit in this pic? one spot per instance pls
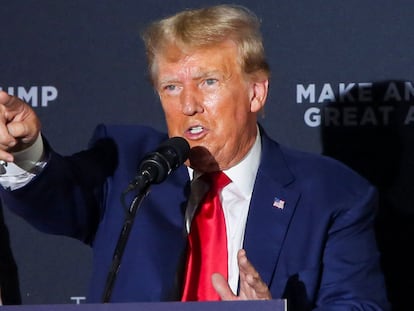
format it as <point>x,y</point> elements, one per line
<point>299,226</point>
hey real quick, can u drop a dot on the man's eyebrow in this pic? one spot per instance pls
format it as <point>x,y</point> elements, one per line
<point>200,74</point>
<point>204,74</point>
<point>167,80</point>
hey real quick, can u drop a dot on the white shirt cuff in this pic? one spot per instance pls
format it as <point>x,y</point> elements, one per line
<point>27,164</point>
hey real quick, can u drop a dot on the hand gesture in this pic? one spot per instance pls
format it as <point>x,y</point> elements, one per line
<point>251,285</point>
<point>19,126</point>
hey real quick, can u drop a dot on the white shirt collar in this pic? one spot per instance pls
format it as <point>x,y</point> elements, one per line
<point>243,174</point>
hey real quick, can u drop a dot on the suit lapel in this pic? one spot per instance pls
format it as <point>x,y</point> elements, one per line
<point>268,223</point>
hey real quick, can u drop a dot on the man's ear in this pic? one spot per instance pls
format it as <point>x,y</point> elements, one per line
<point>259,90</point>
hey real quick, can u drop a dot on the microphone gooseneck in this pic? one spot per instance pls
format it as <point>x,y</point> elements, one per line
<point>153,169</point>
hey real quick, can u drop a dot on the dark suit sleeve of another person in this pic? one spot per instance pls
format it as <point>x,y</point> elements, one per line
<point>9,280</point>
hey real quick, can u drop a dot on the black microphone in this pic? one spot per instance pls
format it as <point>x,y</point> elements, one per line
<point>157,165</point>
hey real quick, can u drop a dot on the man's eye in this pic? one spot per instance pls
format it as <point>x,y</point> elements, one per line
<point>210,82</point>
<point>170,87</point>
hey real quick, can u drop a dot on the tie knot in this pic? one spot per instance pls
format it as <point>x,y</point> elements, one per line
<point>216,180</point>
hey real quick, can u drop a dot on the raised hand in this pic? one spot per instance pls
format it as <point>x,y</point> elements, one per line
<point>252,286</point>
<point>19,126</point>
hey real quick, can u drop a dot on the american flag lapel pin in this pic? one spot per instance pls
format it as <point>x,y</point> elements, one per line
<point>278,203</point>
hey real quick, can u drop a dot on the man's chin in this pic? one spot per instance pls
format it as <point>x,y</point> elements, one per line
<point>200,159</point>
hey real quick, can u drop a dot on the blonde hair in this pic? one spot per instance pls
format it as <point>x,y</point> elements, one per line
<point>191,29</point>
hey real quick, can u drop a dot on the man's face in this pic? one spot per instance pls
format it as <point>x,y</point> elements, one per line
<point>209,101</point>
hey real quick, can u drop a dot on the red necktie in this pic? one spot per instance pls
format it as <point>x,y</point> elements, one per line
<point>207,242</point>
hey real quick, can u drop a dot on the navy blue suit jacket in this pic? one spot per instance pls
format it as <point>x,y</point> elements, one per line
<point>318,250</point>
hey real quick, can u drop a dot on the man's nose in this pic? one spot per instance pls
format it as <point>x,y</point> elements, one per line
<point>191,102</point>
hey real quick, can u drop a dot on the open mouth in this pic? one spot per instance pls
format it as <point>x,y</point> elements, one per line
<point>196,129</point>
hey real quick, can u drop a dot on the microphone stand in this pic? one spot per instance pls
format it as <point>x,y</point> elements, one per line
<point>143,189</point>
